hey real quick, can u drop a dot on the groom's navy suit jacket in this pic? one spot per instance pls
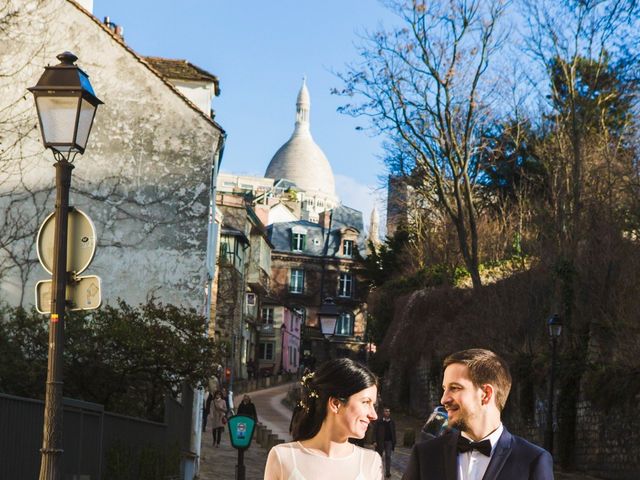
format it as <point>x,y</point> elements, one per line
<point>512,459</point>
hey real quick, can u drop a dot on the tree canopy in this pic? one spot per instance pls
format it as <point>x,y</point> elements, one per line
<point>125,358</point>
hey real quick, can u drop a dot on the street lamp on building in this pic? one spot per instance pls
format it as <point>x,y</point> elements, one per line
<point>554,324</point>
<point>328,317</point>
<point>66,106</point>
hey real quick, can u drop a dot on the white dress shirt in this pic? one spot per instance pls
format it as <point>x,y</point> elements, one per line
<point>472,465</point>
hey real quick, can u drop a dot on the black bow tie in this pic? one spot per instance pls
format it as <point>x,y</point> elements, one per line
<point>466,445</point>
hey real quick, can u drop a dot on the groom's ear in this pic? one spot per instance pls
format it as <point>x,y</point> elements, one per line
<point>488,393</point>
<point>334,404</point>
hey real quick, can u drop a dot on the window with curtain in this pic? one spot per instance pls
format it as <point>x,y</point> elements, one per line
<point>345,284</point>
<point>265,350</point>
<point>298,242</point>
<point>296,281</point>
<point>344,325</point>
<point>267,315</point>
<point>347,248</point>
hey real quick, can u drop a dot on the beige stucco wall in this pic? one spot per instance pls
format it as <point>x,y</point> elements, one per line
<point>144,179</point>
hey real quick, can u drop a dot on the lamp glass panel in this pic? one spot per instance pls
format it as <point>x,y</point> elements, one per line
<point>58,117</point>
<point>87,112</point>
<point>555,330</point>
<point>328,324</point>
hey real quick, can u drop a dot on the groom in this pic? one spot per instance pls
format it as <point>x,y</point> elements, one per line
<point>476,386</point>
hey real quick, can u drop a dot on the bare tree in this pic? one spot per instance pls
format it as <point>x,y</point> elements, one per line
<point>584,51</point>
<point>426,86</point>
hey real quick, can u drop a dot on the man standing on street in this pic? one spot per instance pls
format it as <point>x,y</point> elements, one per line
<point>384,435</point>
<point>476,386</point>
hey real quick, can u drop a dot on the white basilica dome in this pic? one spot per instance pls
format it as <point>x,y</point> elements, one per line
<point>300,159</point>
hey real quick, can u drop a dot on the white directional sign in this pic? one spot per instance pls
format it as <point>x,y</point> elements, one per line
<point>84,294</point>
<point>81,241</point>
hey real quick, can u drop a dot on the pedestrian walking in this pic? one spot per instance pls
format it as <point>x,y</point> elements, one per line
<point>476,386</point>
<point>218,417</point>
<point>338,403</point>
<point>384,434</point>
<point>206,409</point>
<point>248,408</point>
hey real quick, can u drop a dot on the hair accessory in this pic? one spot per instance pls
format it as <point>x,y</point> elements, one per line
<point>311,392</point>
<point>306,378</point>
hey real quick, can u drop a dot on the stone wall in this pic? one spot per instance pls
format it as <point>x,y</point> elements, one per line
<point>608,443</point>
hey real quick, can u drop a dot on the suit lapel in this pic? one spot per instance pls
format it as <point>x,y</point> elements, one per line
<point>499,457</point>
<point>451,457</point>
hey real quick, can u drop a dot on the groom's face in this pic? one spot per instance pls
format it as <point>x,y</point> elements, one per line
<point>461,398</point>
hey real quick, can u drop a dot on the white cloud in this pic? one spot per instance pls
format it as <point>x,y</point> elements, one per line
<point>362,197</point>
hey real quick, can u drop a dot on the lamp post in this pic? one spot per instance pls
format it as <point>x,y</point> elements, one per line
<point>66,106</point>
<point>328,317</point>
<point>554,325</point>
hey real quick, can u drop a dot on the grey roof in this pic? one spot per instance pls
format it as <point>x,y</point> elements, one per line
<point>343,217</point>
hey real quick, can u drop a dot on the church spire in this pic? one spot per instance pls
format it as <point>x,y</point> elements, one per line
<point>303,105</point>
<point>374,225</point>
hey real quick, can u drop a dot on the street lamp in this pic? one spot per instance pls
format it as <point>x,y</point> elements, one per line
<point>554,324</point>
<point>66,106</point>
<point>327,318</point>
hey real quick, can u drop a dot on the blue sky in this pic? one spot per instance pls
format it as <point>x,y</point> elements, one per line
<point>260,50</point>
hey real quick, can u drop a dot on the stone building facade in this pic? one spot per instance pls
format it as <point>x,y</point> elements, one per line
<point>315,261</point>
<point>145,179</point>
<point>318,246</point>
<point>242,282</point>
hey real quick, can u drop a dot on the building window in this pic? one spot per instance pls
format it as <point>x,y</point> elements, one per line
<point>231,251</point>
<point>296,282</point>
<point>344,325</point>
<point>251,299</point>
<point>266,350</point>
<point>267,315</point>
<point>298,242</point>
<point>347,248</point>
<point>345,284</point>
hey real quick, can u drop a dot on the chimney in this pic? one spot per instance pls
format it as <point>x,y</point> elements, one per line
<point>118,30</point>
<point>324,219</point>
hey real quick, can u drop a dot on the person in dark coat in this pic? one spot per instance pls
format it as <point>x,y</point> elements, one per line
<point>384,434</point>
<point>476,386</point>
<point>206,409</point>
<point>247,408</point>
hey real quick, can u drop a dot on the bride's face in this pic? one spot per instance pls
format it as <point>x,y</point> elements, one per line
<point>358,412</point>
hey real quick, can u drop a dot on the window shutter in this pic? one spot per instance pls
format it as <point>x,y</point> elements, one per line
<point>293,240</point>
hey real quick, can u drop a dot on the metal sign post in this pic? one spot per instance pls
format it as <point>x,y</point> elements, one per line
<point>81,293</point>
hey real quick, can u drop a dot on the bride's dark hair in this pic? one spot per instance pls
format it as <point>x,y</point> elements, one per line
<point>338,378</point>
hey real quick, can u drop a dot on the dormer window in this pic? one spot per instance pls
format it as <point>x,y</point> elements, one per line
<point>348,239</point>
<point>298,239</point>
<point>347,248</point>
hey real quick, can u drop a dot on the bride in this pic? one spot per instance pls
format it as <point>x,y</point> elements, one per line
<point>338,403</point>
